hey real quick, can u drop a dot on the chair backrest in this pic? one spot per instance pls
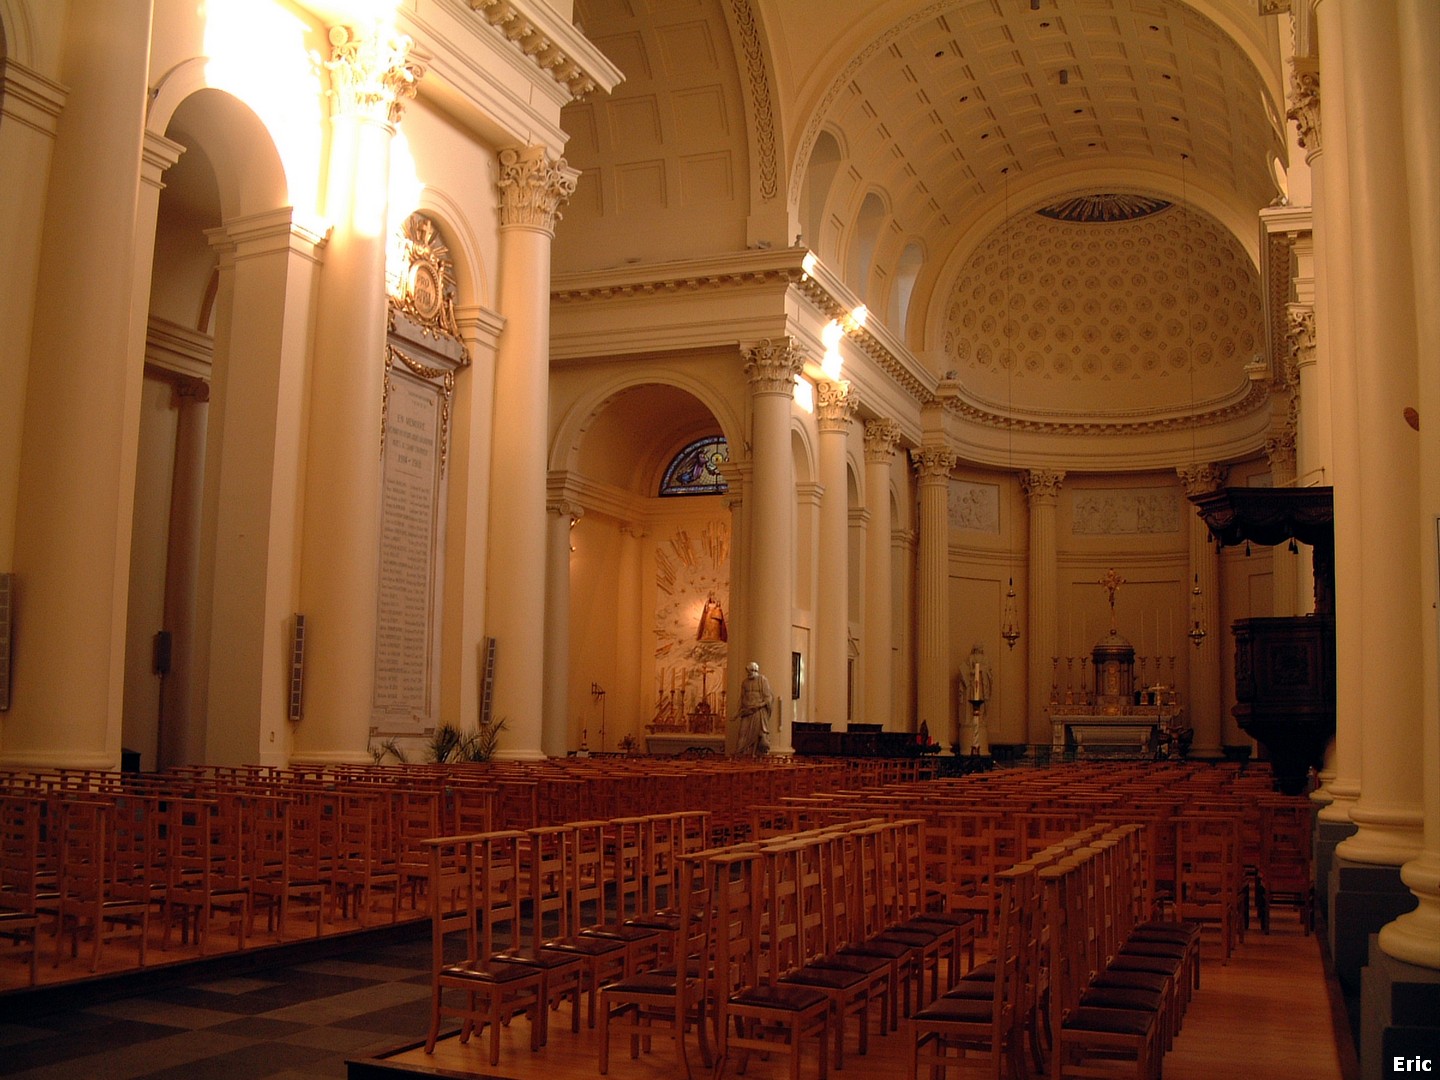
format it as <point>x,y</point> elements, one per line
<point>544,859</point>
<point>497,887</point>
<point>20,851</point>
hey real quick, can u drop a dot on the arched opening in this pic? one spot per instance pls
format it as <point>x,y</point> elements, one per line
<point>868,224</point>
<point>215,393</point>
<point>650,601</point>
<point>824,164</point>
<point>907,271</point>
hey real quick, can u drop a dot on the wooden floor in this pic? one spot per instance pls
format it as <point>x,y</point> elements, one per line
<point>1266,1015</point>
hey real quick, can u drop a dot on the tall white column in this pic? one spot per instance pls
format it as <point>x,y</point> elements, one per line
<point>1042,490</point>
<point>30,107</point>
<point>81,406</point>
<point>1415,937</point>
<point>632,699</point>
<point>532,190</point>
<point>1205,696</point>
<point>181,739</point>
<point>771,367</point>
<point>932,647</point>
<point>737,652</point>
<point>1388,812</point>
<point>372,77</point>
<point>834,408</point>
<point>555,737</point>
<point>880,439</point>
<point>1327,144</point>
<point>1288,584</point>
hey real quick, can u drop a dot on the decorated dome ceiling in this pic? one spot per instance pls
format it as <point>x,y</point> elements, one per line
<point>1079,309</point>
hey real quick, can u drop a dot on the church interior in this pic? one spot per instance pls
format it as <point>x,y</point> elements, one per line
<point>815,417</point>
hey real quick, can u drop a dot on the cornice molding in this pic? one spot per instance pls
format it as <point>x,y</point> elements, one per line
<point>550,43</point>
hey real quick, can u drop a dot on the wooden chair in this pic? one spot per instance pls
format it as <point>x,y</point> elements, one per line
<point>1285,874</point>
<point>546,869</point>
<point>205,875</point>
<point>671,1002</point>
<point>796,924</point>
<point>501,893</point>
<point>20,875</point>
<point>1089,1037</point>
<point>983,1016</point>
<point>607,873</point>
<point>85,901</point>
<point>1210,876</point>
<point>362,865</point>
<point>768,1017</point>
<point>492,993</point>
<point>287,868</point>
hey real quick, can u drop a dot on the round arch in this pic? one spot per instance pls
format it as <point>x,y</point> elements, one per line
<point>570,432</point>
<point>17,32</point>
<point>472,280</point>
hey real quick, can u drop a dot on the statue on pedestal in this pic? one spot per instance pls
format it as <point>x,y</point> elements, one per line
<point>757,704</point>
<point>978,683</point>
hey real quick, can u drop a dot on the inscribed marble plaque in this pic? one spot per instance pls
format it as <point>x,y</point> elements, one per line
<point>409,542</point>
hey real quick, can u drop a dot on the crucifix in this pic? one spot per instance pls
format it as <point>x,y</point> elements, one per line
<point>1111,583</point>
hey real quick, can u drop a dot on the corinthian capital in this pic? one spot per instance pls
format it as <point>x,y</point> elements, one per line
<point>533,188</point>
<point>1305,102</point>
<point>1300,334</point>
<point>1201,479</point>
<point>1041,483</point>
<point>880,439</point>
<point>834,406</point>
<point>1280,451</point>
<point>771,366</point>
<point>933,463</point>
<point>372,77</point>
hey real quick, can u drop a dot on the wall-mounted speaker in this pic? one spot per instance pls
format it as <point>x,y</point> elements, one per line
<point>297,669</point>
<point>7,635</point>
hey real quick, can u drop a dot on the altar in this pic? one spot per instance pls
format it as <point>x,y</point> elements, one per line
<point>1141,732</point>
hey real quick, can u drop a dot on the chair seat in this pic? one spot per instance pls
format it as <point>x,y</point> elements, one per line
<point>1110,1021</point>
<point>548,961</point>
<point>1185,931</point>
<point>1108,997</point>
<point>656,920</point>
<point>621,933</point>
<point>865,962</point>
<point>826,978</point>
<point>1170,950</point>
<point>487,972</point>
<point>1131,980</point>
<point>946,918</point>
<point>1156,964</point>
<point>790,997</point>
<point>958,1009</point>
<point>650,982</point>
<point>892,950</point>
<point>584,946</point>
<point>972,988</point>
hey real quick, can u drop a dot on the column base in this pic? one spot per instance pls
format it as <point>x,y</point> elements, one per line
<point>1399,1016</point>
<point>1363,897</point>
<point>1327,835</point>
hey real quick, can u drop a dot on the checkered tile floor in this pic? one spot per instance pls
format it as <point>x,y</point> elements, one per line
<point>280,1023</point>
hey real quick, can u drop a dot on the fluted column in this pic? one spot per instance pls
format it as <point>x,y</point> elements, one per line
<point>81,403</point>
<point>532,190</point>
<point>555,736</point>
<point>932,660</point>
<point>1042,490</point>
<point>771,367</point>
<point>1415,936</point>
<point>181,738</point>
<point>1388,812</point>
<point>880,439</point>
<point>834,408</point>
<point>1205,697</point>
<point>1326,139</point>
<point>372,75</point>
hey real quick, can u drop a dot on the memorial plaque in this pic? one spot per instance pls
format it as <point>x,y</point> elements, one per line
<point>410,535</point>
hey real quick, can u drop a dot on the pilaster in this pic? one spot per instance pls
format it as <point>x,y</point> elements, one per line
<point>563,516</point>
<point>1205,700</point>
<point>879,708</point>
<point>1042,492</point>
<point>933,465</point>
<point>834,409</point>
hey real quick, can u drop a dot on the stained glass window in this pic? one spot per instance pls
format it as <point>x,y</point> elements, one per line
<point>696,469</point>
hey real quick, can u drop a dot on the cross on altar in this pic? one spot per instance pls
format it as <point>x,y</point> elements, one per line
<point>1111,583</point>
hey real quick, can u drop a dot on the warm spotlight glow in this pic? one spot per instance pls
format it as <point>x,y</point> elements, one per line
<point>804,394</point>
<point>831,335</point>
<point>808,263</point>
<point>406,188</point>
<point>859,315</point>
<point>287,91</point>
